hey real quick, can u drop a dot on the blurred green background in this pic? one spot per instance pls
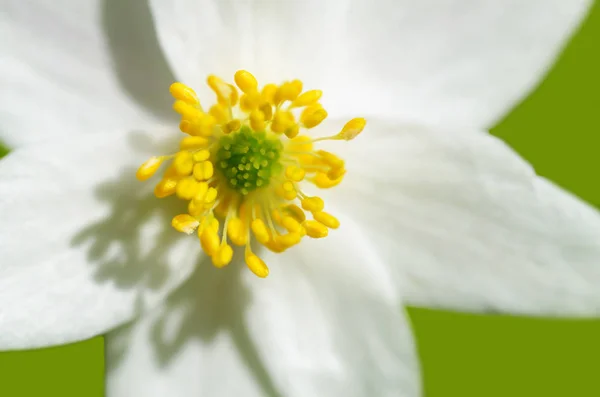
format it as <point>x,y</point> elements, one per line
<point>558,130</point>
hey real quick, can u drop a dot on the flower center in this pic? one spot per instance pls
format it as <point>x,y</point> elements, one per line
<point>242,163</point>
<point>247,159</point>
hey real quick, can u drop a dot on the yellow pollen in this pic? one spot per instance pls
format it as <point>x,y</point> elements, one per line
<point>242,165</point>
<point>149,168</point>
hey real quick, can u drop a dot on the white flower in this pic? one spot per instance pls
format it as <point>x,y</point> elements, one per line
<point>435,216</point>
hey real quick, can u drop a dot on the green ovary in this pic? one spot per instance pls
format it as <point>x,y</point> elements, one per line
<point>248,160</point>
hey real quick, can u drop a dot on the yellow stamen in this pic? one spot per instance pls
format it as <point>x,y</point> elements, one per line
<point>187,188</point>
<point>313,204</point>
<point>193,142</point>
<point>210,240</point>
<point>312,116</point>
<point>222,257</point>
<point>260,231</point>
<point>327,219</point>
<point>203,171</point>
<point>245,81</point>
<point>244,162</point>
<point>165,188</point>
<point>257,120</point>
<point>184,93</point>
<point>308,98</point>
<point>352,129</point>
<point>295,173</point>
<point>220,113</point>
<point>315,229</point>
<point>237,232</point>
<point>257,265</point>
<point>185,223</point>
<point>149,168</point>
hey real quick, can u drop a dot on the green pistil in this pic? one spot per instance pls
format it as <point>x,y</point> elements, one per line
<point>248,159</point>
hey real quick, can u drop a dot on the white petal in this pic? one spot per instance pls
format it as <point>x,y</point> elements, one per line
<point>324,323</point>
<point>194,344</point>
<point>74,67</point>
<point>466,224</point>
<point>458,62</point>
<point>83,245</point>
<point>202,37</point>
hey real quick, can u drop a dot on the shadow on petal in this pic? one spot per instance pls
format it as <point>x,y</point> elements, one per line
<point>139,62</point>
<point>133,246</point>
<point>218,307</point>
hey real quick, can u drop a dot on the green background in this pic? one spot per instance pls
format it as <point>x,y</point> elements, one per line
<point>557,130</point>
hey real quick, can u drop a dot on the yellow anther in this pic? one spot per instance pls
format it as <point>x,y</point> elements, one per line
<point>196,208</point>
<point>313,115</point>
<point>233,98</point>
<point>260,230</point>
<point>327,219</point>
<point>246,81</point>
<point>302,143</point>
<point>220,113</point>
<point>203,125</point>
<point>209,239</point>
<point>336,173</point>
<point>193,142</point>
<point>282,120</point>
<point>276,215</point>
<point>185,126</point>
<point>313,204</point>
<point>149,168</point>
<point>290,195</point>
<point>275,246</point>
<point>211,195</point>
<point>288,91</point>
<point>201,155</point>
<point>257,265</point>
<point>165,188</point>
<point>185,223</point>
<point>232,126</point>
<point>267,110</point>
<point>246,165</point>
<point>250,101</point>
<point>257,120</point>
<point>186,110</point>
<point>296,212</point>
<point>203,171</point>
<point>331,159</point>
<point>171,172</point>
<point>315,229</point>
<point>352,128</point>
<point>222,257</point>
<point>289,239</point>
<point>307,98</point>
<point>184,93</point>
<point>321,180</point>
<point>237,231</point>
<point>183,163</point>
<point>201,193</point>
<point>289,192</point>
<point>292,131</point>
<point>268,93</point>
<point>223,90</point>
<point>291,224</point>
<point>294,173</point>
<point>187,188</point>
<point>213,224</point>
